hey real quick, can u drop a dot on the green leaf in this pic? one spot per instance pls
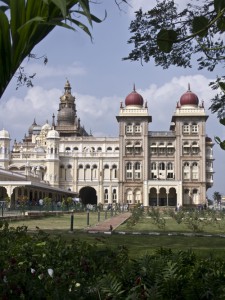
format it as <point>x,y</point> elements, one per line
<point>221,24</point>
<point>61,4</point>
<point>199,26</point>
<point>165,40</point>
<point>222,85</point>
<point>222,145</point>
<point>219,5</point>
<point>217,139</point>
<point>222,121</point>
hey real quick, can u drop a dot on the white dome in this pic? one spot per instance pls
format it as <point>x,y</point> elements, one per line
<point>53,134</point>
<point>46,126</point>
<point>4,134</point>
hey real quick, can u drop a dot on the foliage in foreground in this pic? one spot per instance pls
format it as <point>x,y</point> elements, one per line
<point>40,267</point>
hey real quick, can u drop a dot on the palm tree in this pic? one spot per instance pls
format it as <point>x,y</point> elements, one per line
<point>24,23</point>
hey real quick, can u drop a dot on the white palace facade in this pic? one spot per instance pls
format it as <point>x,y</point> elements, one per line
<point>154,168</point>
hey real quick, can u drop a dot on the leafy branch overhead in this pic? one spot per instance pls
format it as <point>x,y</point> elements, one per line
<point>24,23</point>
<point>172,38</point>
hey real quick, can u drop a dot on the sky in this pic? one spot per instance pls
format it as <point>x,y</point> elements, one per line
<point>100,80</point>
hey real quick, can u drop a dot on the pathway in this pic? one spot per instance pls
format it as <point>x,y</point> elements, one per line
<point>108,225</point>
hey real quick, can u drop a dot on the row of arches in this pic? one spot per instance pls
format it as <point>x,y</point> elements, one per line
<point>91,149</point>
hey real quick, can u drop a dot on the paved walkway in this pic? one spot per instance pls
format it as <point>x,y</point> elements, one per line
<point>108,225</point>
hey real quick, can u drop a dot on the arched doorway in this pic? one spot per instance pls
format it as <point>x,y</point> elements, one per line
<point>88,195</point>
<point>162,197</point>
<point>153,197</point>
<point>172,197</point>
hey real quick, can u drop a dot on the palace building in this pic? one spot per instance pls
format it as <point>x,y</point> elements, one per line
<point>153,168</point>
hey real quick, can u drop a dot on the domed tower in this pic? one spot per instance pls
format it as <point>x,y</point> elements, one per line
<point>67,121</point>
<point>4,149</point>
<point>189,126</point>
<point>133,122</point>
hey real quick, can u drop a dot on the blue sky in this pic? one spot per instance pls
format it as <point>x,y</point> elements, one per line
<point>100,80</point>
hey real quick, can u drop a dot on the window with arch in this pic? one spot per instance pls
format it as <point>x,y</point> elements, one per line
<point>94,172</point>
<point>129,172</point>
<point>194,128</point>
<point>186,148</point>
<point>106,195</point>
<point>170,166</point>
<point>109,149</point>
<point>129,148</point>
<point>129,128</point>
<point>170,148</point>
<point>186,170</point>
<point>117,149</point>
<point>153,166</point>
<point>114,195</point>
<point>61,172</point>
<point>162,166</point>
<point>153,148</point>
<point>137,170</point>
<point>186,128</point>
<point>99,149</point>
<point>106,172</point>
<point>114,171</point>
<point>68,149</point>
<point>137,128</point>
<point>75,148</point>
<point>87,172</point>
<point>162,148</point>
<point>81,172</point>
<point>195,148</point>
<point>137,148</point>
<point>195,170</point>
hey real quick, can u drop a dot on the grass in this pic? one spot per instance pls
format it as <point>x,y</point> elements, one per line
<point>136,244</point>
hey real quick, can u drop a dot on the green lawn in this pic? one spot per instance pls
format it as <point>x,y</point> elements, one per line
<point>137,244</point>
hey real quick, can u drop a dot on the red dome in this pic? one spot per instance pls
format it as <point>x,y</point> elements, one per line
<point>189,98</point>
<point>134,99</point>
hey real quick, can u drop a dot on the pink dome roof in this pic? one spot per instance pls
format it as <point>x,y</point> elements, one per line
<point>134,99</point>
<point>189,98</point>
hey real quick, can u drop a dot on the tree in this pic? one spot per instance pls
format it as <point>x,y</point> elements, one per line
<point>25,23</point>
<point>175,38</point>
<point>172,38</point>
<point>217,197</point>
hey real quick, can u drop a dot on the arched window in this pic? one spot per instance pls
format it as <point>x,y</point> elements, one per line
<point>99,149</point>
<point>117,149</point>
<point>109,149</point>
<point>162,148</point>
<point>75,148</point>
<point>195,148</point>
<point>80,166</point>
<point>129,173</point>
<point>153,166</point>
<point>129,148</point>
<point>106,166</point>
<point>114,195</point>
<point>106,195</point>
<point>162,166</point>
<point>195,170</point>
<point>137,170</point>
<point>153,148</point>
<point>170,166</point>
<point>186,148</point>
<point>87,167</point>
<point>114,171</point>
<point>186,170</point>
<point>137,148</point>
